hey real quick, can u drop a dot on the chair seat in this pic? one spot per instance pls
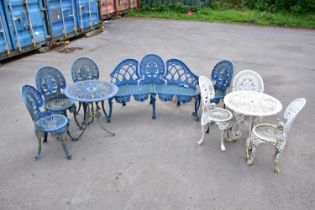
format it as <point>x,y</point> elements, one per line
<point>267,132</point>
<point>218,114</point>
<point>175,90</point>
<point>54,122</point>
<point>127,90</point>
<point>59,104</point>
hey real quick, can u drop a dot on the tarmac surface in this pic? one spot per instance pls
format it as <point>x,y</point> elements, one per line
<point>157,164</point>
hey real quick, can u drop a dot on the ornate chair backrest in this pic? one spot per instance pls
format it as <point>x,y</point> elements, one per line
<point>126,73</point>
<point>248,80</point>
<point>206,90</point>
<point>50,82</point>
<point>291,112</point>
<point>222,74</point>
<point>33,101</point>
<point>179,74</point>
<point>152,69</point>
<point>84,68</point>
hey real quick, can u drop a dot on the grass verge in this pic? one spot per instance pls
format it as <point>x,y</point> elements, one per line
<point>236,16</point>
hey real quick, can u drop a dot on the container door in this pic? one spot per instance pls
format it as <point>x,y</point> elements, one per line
<point>26,23</point>
<point>121,5</point>
<point>133,4</point>
<point>107,7</point>
<point>62,19</point>
<point>5,42</point>
<point>87,14</point>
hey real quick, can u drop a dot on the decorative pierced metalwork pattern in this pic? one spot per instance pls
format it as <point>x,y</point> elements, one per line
<point>52,122</point>
<point>206,90</point>
<point>91,91</point>
<point>50,82</point>
<point>291,112</point>
<point>84,68</point>
<point>248,80</point>
<point>268,132</point>
<point>152,68</point>
<point>222,73</point>
<point>252,103</point>
<point>33,102</point>
<point>58,104</point>
<point>126,73</point>
<point>179,74</point>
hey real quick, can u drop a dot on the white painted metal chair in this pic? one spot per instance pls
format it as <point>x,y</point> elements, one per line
<point>248,80</point>
<point>211,113</point>
<point>273,134</point>
<point>245,80</point>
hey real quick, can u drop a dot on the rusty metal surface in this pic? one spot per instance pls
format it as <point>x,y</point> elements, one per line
<point>107,8</point>
<point>121,5</point>
<point>133,4</point>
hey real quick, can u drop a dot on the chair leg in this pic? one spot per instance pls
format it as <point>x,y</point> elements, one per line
<point>153,99</point>
<point>202,134</point>
<point>45,137</point>
<point>110,103</point>
<point>250,151</point>
<point>61,139</point>
<point>208,128</point>
<point>222,140</point>
<point>195,113</point>
<point>276,167</point>
<point>39,135</point>
<point>105,113</point>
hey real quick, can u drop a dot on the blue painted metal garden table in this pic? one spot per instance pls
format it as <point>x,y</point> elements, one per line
<point>90,93</point>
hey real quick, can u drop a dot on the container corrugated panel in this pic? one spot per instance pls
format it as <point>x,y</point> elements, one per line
<point>107,8</point>
<point>61,20</point>
<point>26,24</point>
<point>5,42</point>
<point>133,4</point>
<point>121,6</point>
<point>88,16</point>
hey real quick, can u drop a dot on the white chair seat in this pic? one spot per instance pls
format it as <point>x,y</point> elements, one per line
<point>267,132</point>
<point>218,114</point>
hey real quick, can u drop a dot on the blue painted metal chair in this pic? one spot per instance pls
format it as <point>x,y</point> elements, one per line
<point>51,84</point>
<point>222,74</point>
<point>44,121</point>
<point>84,68</point>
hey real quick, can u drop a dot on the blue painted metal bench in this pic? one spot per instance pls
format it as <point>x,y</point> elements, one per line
<point>153,78</point>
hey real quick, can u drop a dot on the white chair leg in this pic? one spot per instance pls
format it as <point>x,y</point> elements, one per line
<point>202,135</point>
<point>276,164</point>
<point>222,140</point>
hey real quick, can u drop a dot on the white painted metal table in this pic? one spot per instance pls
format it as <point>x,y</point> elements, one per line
<point>252,104</point>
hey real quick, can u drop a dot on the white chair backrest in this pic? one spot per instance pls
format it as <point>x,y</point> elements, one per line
<point>248,80</point>
<point>206,90</point>
<point>291,112</point>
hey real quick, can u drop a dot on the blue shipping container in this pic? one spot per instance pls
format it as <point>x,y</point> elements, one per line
<point>26,23</point>
<point>62,21</point>
<point>87,14</point>
<point>5,42</point>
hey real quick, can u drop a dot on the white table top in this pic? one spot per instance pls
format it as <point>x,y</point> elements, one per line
<point>252,103</point>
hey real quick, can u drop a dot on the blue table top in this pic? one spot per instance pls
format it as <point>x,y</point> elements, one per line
<point>91,91</point>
